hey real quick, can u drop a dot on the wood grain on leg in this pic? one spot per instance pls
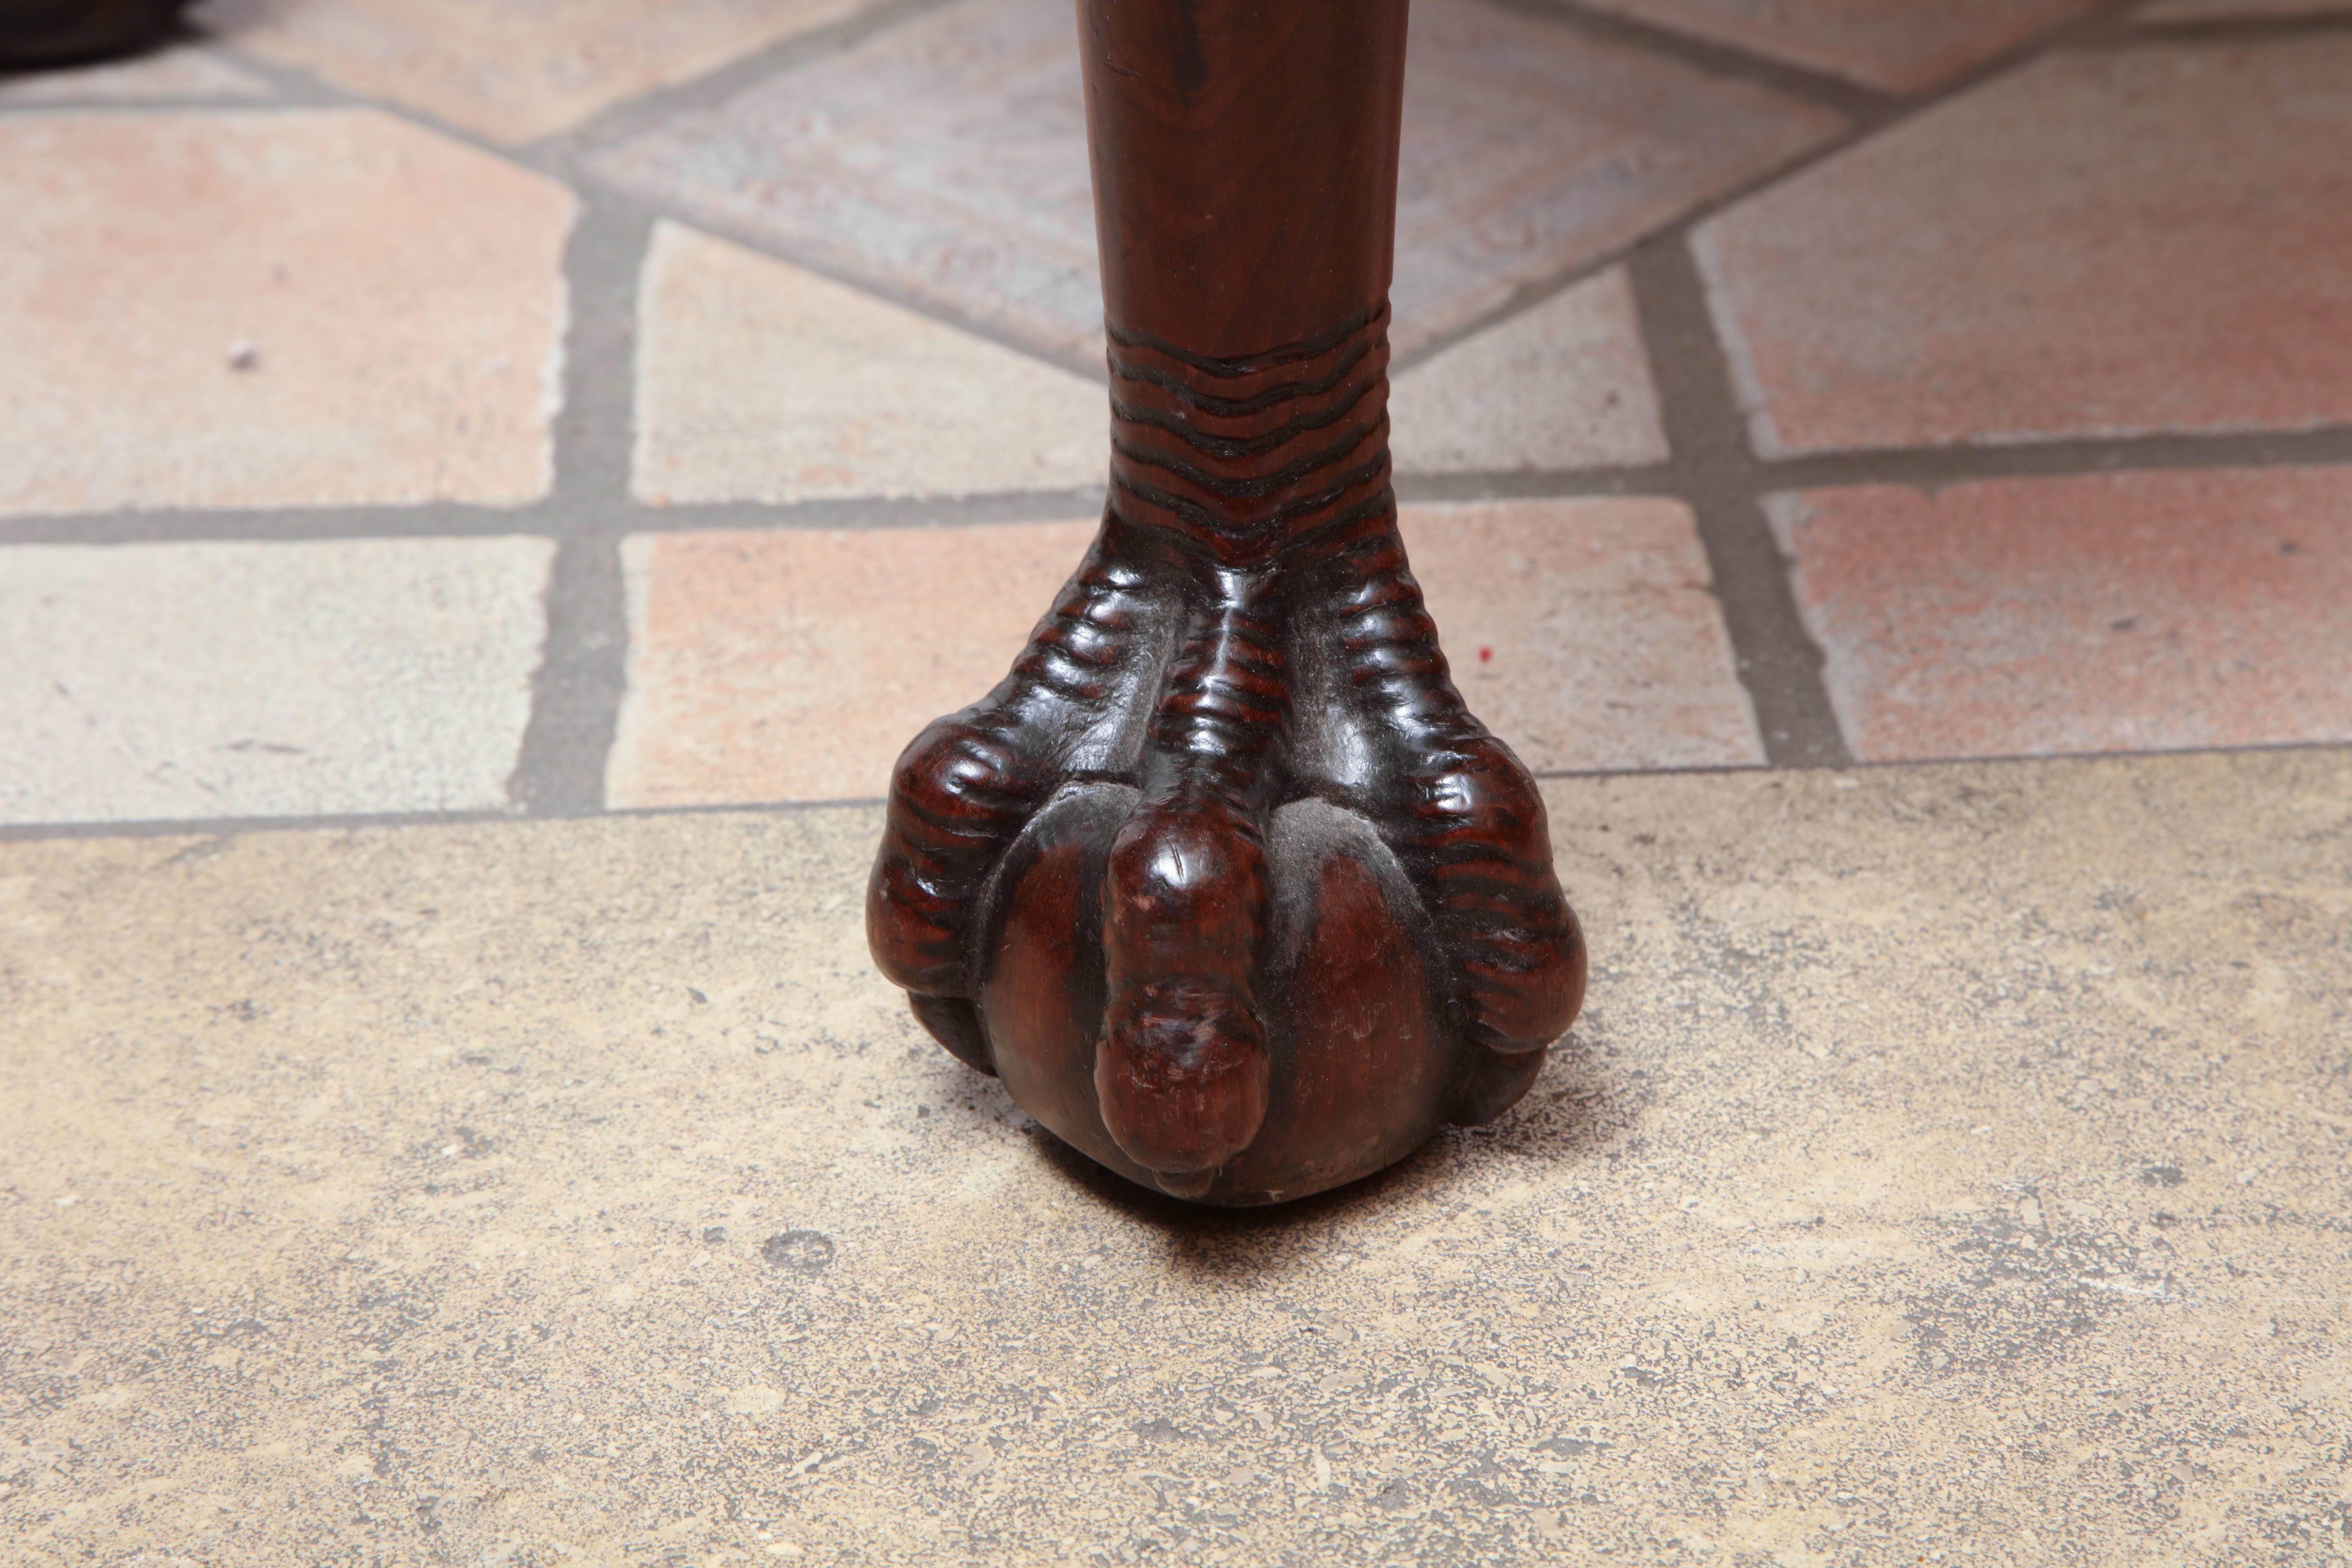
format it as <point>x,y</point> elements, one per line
<point>1224,881</point>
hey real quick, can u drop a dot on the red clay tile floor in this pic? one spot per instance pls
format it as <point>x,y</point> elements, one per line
<point>415,409</point>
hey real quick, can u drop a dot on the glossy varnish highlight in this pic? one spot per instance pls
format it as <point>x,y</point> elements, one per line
<point>1224,879</point>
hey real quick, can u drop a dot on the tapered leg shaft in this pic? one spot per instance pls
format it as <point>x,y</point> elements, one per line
<point>1232,758</point>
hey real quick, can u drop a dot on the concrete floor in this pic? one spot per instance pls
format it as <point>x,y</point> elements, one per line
<point>1950,1167</point>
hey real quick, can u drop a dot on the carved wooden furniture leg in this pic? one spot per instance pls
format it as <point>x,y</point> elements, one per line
<point>1223,881</point>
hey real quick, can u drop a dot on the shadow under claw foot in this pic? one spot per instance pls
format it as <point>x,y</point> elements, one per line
<point>955,1024</point>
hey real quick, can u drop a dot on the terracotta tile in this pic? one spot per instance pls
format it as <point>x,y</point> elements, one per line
<point>167,681</point>
<point>512,69</point>
<point>1585,632</point>
<point>1564,385</point>
<point>286,309</point>
<point>796,665</point>
<point>2126,612</point>
<point>945,160</point>
<point>1529,149</point>
<point>1897,46</point>
<point>2115,242</point>
<point>180,72</point>
<point>757,381</point>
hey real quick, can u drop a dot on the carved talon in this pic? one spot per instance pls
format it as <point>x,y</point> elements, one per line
<point>1233,649</point>
<point>1222,880</point>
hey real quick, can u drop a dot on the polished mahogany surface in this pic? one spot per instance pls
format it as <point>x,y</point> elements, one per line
<point>1224,879</point>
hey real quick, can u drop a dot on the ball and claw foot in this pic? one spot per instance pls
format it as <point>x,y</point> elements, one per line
<point>1223,881</point>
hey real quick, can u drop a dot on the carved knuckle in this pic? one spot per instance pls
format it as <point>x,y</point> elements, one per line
<point>1172,869</point>
<point>950,762</point>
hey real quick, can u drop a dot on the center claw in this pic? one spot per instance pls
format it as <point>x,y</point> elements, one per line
<point>1183,1071</point>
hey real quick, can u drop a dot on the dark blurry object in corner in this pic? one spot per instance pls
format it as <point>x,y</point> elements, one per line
<point>36,32</point>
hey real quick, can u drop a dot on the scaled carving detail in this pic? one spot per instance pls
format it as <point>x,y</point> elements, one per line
<point>1224,879</point>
